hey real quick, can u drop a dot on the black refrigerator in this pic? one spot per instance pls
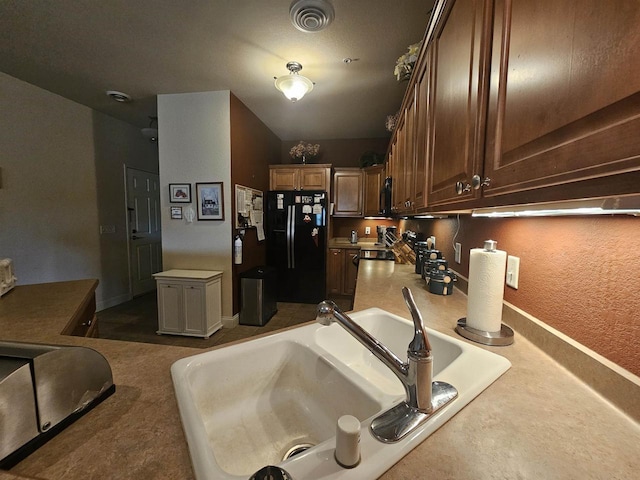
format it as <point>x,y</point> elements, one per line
<point>296,235</point>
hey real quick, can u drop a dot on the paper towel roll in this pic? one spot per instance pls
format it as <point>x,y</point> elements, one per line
<point>486,289</point>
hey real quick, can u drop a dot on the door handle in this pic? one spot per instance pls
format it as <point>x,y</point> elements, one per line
<point>135,237</point>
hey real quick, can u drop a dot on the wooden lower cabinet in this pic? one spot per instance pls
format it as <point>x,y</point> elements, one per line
<point>342,272</point>
<point>189,302</point>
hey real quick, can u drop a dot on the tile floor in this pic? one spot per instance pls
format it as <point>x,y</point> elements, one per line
<point>137,321</point>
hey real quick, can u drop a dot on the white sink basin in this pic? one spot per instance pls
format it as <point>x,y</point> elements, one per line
<point>244,406</point>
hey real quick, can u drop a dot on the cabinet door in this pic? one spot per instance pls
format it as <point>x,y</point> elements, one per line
<point>459,56</point>
<point>399,197</point>
<point>564,101</point>
<point>421,139</point>
<point>350,271</point>
<point>348,188</point>
<point>408,176</point>
<point>170,308</point>
<point>334,271</point>
<point>283,178</point>
<point>194,309</point>
<point>373,178</point>
<point>312,178</point>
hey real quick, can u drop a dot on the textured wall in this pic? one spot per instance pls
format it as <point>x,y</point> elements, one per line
<point>253,148</point>
<point>580,275</point>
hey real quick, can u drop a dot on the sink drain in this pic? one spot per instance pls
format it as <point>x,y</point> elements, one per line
<point>296,449</point>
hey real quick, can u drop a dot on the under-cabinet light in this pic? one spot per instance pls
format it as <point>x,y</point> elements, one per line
<point>601,206</point>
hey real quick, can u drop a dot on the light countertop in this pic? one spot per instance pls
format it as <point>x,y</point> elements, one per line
<point>536,421</point>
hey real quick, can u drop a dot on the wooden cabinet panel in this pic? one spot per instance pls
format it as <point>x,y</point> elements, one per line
<point>421,137</point>
<point>458,54</point>
<point>283,178</point>
<point>341,271</point>
<point>334,271</point>
<point>312,178</point>
<point>350,271</point>
<point>194,309</point>
<point>373,180</point>
<point>170,308</point>
<point>565,104</point>
<point>300,177</point>
<point>348,192</point>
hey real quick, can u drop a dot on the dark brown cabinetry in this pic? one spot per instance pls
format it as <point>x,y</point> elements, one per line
<point>300,177</point>
<point>373,181</point>
<point>514,101</point>
<point>565,103</point>
<point>348,192</point>
<point>342,271</point>
<point>456,58</point>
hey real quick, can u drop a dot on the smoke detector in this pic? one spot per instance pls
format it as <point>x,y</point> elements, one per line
<point>311,15</point>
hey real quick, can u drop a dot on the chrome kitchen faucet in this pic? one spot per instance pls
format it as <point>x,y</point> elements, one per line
<point>423,396</point>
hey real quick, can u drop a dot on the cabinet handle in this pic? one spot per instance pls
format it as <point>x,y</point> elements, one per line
<point>462,187</point>
<point>478,182</point>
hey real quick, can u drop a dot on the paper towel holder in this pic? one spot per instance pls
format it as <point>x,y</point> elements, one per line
<point>501,338</point>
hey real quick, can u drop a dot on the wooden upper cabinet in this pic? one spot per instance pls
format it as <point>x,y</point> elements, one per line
<point>564,102</point>
<point>421,139</point>
<point>458,54</point>
<point>409,151</point>
<point>300,177</point>
<point>373,180</point>
<point>397,148</point>
<point>348,192</point>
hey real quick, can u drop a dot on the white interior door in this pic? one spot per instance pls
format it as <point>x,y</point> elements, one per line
<point>145,234</point>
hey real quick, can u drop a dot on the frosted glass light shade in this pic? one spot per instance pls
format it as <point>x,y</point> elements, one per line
<point>294,86</point>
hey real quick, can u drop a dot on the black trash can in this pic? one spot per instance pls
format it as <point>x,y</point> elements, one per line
<point>258,296</point>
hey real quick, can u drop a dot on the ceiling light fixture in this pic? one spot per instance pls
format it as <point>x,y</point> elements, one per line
<point>150,132</point>
<point>118,96</point>
<point>294,86</point>
<point>311,16</point>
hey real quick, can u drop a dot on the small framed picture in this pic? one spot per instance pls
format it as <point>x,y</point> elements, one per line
<point>176,213</point>
<point>180,193</point>
<point>210,198</point>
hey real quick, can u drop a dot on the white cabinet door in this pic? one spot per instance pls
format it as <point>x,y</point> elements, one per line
<point>194,310</point>
<point>170,308</point>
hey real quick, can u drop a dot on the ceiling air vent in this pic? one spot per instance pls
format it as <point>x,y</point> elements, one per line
<point>311,15</point>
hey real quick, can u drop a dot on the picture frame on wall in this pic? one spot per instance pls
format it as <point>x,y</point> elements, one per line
<point>210,198</point>
<point>176,213</point>
<point>179,193</point>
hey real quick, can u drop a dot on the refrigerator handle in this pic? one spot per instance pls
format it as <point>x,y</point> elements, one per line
<point>291,229</point>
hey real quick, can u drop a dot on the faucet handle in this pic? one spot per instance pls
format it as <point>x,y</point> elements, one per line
<point>419,346</point>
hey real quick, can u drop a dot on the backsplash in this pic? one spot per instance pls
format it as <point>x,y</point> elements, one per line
<point>342,227</point>
<point>580,275</point>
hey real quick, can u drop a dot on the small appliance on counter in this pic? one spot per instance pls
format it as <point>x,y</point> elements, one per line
<point>43,389</point>
<point>7,276</point>
<point>440,282</point>
<point>354,236</point>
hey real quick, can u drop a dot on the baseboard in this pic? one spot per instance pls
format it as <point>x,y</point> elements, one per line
<point>112,302</point>
<point>231,322</point>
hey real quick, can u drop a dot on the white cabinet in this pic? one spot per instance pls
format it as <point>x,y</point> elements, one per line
<point>189,302</point>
